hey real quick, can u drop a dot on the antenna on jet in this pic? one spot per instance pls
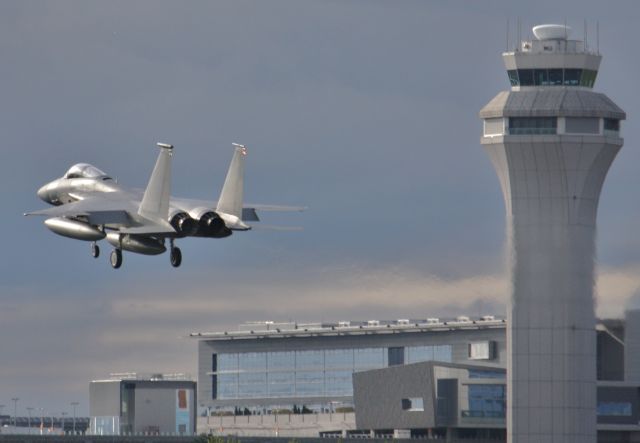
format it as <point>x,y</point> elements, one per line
<point>164,145</point>
<point>598,36</point>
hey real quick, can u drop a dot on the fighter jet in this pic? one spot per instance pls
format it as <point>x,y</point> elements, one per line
<point>89,205</point>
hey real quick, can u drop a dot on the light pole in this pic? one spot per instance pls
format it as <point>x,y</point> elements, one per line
<point>15,411</point>
<point>74,404</point>
<point>41,420</point>
<point>29,409</point>
<point>63,414</point>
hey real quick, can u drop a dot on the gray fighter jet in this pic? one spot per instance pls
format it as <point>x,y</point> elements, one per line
<point>91,206</point>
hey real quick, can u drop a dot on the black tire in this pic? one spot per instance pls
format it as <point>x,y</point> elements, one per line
<point>116,258</point>
<point>95,250</point>
<point>176,257</point>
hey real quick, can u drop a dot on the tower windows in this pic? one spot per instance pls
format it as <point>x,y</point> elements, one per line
<point>612,127</point>
<point>572,77</point>
<point>533,125</point>
<point>582,125</point>
<point>552,77</point>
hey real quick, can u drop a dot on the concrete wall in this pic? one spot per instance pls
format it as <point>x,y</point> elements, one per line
<point>283,425</point>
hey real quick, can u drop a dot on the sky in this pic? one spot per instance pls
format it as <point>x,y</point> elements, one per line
<point>364,111</point>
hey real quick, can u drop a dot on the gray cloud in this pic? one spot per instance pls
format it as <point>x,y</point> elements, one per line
<point>366,111</point>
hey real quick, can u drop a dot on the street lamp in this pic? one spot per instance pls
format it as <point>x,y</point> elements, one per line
<point>29,409</point>
<point>74,404</point>
<point>15,411</point>
<point>63,414</point>
<point>41,420</point>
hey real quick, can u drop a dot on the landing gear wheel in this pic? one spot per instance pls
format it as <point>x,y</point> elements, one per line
<point>176,257</point>
<point>116,258</point>
<point>95,250</point>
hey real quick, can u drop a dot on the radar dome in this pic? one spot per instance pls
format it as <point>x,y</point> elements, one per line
<point>551,32</point>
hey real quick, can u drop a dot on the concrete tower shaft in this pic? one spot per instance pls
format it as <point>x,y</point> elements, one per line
<point>551,140</point>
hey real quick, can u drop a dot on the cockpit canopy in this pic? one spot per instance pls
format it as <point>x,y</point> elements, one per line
<point>85,170</point>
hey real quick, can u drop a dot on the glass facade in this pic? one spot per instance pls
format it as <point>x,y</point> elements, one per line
<point>614,409</point>
<point>533,125</point>
<point>313,373</point>
<point>486,401</point>
<point>552,77</point>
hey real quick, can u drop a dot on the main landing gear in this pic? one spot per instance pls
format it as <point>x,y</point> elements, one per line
<point>116,258</point>
<point>175,254</point>
<point>95,250</point>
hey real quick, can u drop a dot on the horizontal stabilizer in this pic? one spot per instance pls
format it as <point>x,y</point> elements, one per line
<point>276,208</point>
<point>277,228</point>
<point>249,214</point>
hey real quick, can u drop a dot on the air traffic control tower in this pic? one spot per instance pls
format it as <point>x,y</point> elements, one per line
<point>551,140</point>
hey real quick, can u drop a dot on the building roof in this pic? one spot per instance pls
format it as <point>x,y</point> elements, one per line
<point>281,330</point>
<point>541,102</point>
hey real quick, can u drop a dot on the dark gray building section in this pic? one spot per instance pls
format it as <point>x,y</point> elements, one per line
<point>379,394</point>
<point>444,393</point>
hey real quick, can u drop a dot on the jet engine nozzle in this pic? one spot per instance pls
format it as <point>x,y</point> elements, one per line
<point>183,224</point>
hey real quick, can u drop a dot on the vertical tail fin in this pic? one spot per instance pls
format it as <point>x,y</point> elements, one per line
<point>230,201</point>
<point>155,202</point>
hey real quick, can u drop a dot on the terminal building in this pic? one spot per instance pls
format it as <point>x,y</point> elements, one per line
<point>431,377</point>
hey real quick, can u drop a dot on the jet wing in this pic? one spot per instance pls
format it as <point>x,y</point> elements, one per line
<point>98,211</point>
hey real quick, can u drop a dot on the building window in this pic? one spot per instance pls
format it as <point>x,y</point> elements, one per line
<point>541,77</point>
<point>552,77</point>
<point>526,77</point>
<point>572,77</point>
<point>413,404</point>
<point>532,125</point>
<point>588,78</point>
<point>555,77</point>
<point>481,350</point>
<point>614,409</point>
<point>611,127</point>
<point>582,125</point>
<point>396,356</point>
<point>482,373</point>
<point>486,401</point>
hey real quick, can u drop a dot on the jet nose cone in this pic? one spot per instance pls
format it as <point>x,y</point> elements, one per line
<point>43,193</point>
